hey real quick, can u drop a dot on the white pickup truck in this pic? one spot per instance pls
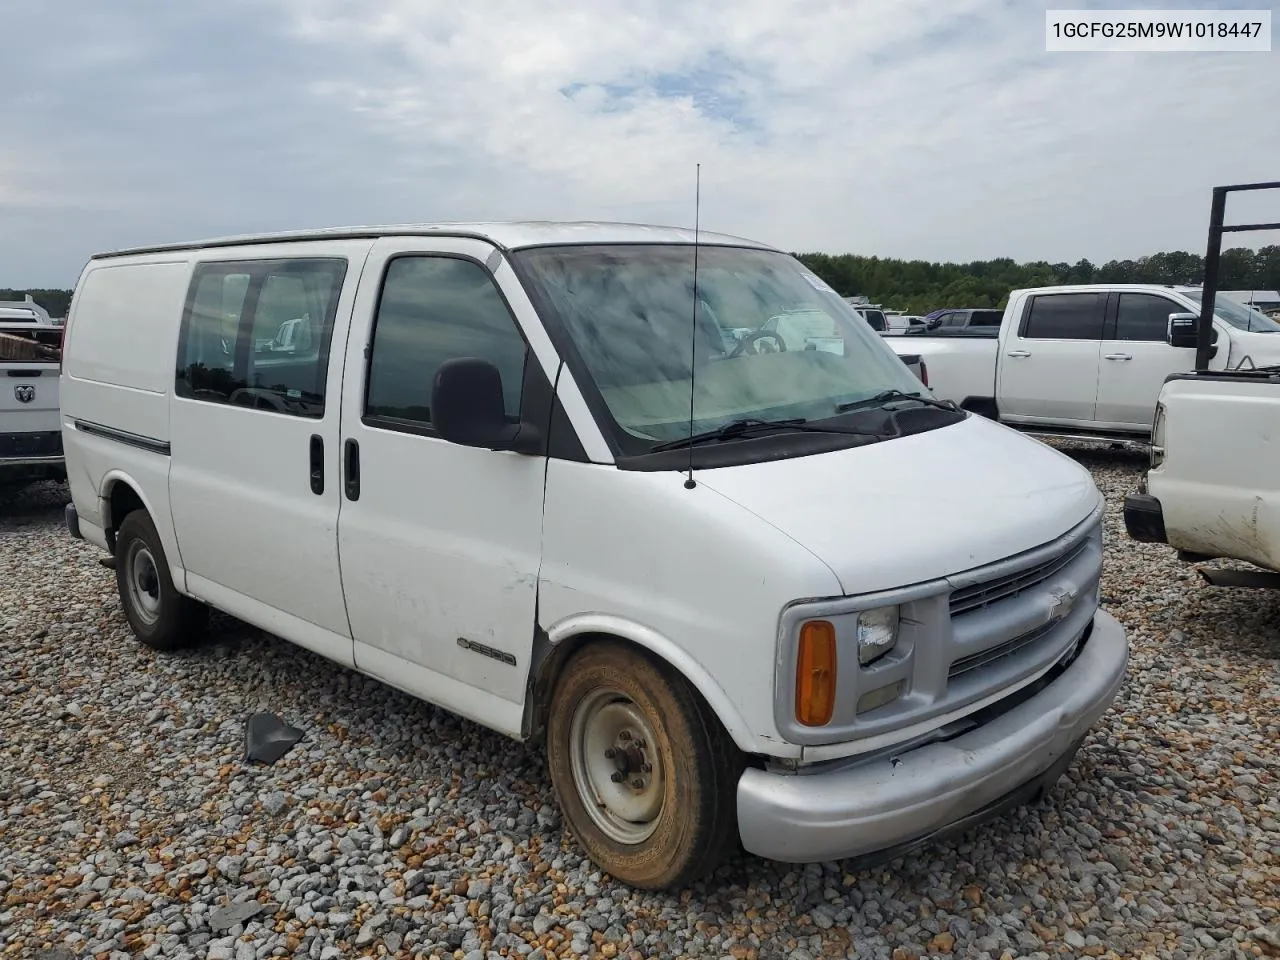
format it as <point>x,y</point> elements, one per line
<point>1086,360</point>
<point>30,424</point>
<point>1213,490</point>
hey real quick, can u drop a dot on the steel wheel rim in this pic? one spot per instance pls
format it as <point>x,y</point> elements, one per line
<point>610,736</point>
<point>143,580</point>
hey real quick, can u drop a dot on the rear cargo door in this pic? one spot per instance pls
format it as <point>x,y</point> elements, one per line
<point>253,476</point>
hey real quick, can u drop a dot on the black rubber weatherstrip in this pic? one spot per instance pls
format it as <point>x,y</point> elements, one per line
<point>123,436</point>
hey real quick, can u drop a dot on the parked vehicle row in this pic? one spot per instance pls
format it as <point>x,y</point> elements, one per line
<point>551,479</point>
<point>961,322</point>
<point>1088,360</point>
<point>899,324</point>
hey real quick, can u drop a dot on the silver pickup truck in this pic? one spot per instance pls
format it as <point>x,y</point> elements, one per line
<point>30,424</point>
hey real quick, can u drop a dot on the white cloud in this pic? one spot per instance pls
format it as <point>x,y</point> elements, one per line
<point>903,128</point>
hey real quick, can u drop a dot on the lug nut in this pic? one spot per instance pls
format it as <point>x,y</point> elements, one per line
<point>639,744</point>
<point>637,783</point>
<point>610,753</point>
<point>616,776</point>
<point>646,768</point>
<point>624,735</point>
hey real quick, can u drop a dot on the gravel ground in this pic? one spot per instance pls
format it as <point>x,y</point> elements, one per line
<point>130,825</point>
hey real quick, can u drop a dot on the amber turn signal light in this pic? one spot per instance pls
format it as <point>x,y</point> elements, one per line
<point>816,673</point>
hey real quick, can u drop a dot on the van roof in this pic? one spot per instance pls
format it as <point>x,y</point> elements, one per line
<point>509,235</point>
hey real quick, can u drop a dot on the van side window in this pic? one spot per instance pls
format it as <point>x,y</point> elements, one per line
<point>210,330</point>
<point>433,309</point>
<point>1065,316</point>
<point>1144,316</point>
<point>256,334</point>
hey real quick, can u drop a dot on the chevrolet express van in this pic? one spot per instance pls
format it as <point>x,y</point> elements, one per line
<point>559,480</point>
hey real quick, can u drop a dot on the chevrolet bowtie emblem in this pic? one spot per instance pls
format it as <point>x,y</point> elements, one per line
<point>1060,603</point>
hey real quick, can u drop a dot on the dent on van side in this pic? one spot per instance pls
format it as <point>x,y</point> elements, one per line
<point>545,476</point>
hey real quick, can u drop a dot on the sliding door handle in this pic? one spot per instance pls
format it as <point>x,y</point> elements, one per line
<point>351,469</point>
<point>317,464</point>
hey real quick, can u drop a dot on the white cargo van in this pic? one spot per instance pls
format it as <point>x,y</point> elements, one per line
<point>744,588</point>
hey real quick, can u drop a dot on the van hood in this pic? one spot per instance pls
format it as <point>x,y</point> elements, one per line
<point>919,507</point>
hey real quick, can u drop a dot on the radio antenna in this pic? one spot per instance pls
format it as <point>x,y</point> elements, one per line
<point>693,325</point>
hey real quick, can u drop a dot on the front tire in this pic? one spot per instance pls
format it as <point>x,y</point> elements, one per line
<point>645,775</point>
<point>161,617</point>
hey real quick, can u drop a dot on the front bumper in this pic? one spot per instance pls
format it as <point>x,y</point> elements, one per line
<point>1144,518</point>
<point>895,803</point>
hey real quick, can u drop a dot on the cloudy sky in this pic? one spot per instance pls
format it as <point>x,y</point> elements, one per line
<point>909,128</point>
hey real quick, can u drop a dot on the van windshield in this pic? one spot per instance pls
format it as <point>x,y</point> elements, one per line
<point>768,339</point>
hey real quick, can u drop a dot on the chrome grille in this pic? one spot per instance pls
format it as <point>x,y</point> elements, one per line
<point>1007,649</point>
<point>984,594</point>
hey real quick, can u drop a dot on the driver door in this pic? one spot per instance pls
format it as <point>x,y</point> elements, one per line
<point>253,477</point>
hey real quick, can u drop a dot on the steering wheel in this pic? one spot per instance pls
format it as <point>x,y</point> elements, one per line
<point>256,397</point>
<point>750,339</point>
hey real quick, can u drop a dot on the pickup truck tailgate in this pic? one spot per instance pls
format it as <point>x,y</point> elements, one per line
<point>30,423</point>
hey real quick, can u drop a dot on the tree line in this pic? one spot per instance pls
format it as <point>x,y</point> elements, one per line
<point>918,286</point>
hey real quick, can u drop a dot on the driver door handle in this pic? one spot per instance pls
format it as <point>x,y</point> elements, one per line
<point>1018,353</point>
<point>317,464</point>
<point>352,469</point>
<point>1118,356</point>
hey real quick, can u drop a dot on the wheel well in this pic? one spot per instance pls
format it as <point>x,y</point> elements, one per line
<point>544,672</point>
<point>122,500</point>
<point>548,664</point>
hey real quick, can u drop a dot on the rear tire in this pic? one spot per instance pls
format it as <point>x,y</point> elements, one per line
<point>161,617</point>
<point>645,775</point>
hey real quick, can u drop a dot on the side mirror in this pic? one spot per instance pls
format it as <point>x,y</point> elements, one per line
<point>467,408</point>
<point>1182,330</point>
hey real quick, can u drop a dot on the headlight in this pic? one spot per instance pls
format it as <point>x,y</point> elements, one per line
<point>877,633</point>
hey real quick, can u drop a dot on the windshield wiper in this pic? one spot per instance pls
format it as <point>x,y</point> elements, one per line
<point>888,396</point>
<point>740,428</point>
